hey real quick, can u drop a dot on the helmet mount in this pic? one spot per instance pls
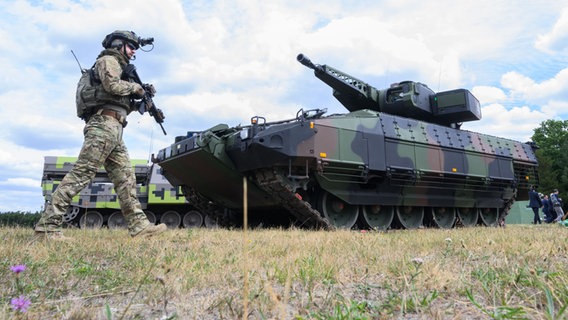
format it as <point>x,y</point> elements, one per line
<point>127,36</point>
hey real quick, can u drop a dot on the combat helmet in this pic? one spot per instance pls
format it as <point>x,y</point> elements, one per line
<point>129,36</point>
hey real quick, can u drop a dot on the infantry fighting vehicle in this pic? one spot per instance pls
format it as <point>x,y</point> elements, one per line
<point>97,204</point>
<point>398,158</point>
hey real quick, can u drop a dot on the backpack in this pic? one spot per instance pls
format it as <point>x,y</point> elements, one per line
<point>85,97</point>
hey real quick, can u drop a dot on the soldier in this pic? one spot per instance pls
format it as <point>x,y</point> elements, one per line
<point>103,144</point>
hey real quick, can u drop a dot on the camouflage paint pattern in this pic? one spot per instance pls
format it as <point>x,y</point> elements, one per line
<point>153,191</point>
<point>160,191</point>
<point>410,162</point>
<point>103,146</point>
<point>109,70</point>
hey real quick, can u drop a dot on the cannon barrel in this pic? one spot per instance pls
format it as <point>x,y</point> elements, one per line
<point>303,59</point>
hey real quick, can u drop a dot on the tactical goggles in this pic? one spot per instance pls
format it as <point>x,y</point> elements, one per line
<point>131,46</point>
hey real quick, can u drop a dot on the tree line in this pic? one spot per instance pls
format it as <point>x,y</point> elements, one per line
<point>551,139</point>
<point>19,218</point>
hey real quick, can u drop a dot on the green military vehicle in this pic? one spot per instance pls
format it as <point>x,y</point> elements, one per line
<point>397,159</point>
<point>97,204</point>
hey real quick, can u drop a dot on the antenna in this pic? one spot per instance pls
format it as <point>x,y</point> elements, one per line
<point>440,73</point>
<point>82,70</point>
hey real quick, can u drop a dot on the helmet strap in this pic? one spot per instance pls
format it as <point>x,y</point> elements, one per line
<point>124,44</point>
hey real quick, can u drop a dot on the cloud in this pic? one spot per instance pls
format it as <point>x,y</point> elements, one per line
<point>488,95</point>
<point>555,109</point>
<point>20,182</point>
<point>524,87</point>
<point>555,41</point>
<point>516,123</point>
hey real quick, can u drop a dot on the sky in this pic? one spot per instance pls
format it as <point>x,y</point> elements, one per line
<point>221,61</point>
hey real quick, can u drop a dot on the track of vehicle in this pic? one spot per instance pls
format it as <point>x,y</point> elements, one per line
<point>283,192</point>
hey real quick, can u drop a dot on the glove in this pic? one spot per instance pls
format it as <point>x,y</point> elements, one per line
<point>139,93</point>
<point>149,88</point>
<point>158,115</point>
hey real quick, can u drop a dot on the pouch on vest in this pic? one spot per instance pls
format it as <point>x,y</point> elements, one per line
<point>86,94</point>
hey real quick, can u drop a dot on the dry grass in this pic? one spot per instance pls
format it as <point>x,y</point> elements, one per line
<point>511,273</point>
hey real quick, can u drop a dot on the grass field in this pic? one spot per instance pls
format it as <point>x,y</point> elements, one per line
<point>517,272</point>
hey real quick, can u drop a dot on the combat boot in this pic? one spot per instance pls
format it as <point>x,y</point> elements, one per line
<point>151,230</point>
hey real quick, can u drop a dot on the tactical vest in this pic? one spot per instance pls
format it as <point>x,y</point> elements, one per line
<point>91,95</point>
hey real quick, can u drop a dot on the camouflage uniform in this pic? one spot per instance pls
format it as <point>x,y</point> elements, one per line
<point>103,146</point>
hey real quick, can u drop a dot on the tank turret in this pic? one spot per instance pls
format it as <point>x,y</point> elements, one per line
<point>408,99</point>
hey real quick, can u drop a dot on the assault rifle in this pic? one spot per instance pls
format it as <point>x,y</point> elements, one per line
<point>146,104</point>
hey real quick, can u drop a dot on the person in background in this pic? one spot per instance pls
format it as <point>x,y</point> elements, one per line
<point>547,210</point>
<point>535,203</point>
<point>557,205</point>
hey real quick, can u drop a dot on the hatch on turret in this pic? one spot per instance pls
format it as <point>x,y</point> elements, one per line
<point>408,99</point>
<point>416,100</point>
